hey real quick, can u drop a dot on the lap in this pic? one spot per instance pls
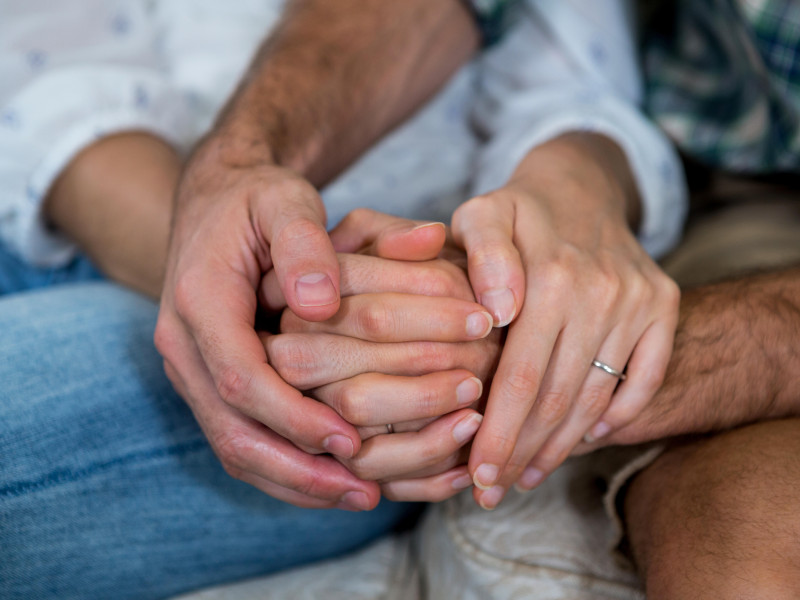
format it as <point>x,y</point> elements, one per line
<point>107,485</point>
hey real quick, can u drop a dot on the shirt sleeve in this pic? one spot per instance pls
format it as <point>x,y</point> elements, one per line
<point>567,66</point>
<point>70,74</point>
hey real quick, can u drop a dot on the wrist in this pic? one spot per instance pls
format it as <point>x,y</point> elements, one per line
<point>588,168</point>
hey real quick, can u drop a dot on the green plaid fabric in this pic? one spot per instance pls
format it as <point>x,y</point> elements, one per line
<point>723,80</point>
<point>493,17</point>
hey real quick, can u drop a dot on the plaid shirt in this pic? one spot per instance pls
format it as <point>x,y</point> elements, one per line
<point>722,76</point>
<point>723,80</point>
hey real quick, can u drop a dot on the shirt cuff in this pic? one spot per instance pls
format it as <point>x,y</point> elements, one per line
<point>654,162</point>
<point>55,117</point>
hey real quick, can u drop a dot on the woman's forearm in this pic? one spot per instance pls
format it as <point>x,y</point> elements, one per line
<point>115,200</point>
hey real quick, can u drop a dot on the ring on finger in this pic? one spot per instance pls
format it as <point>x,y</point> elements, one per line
<point>389,428</point>
<point>609,369</point>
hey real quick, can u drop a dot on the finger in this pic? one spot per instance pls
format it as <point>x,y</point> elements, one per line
<point>362,274</point>
<point>428,489</point>
<point>311,360</point>
<point>514,390</point>
<point>390,456</point>
<point>250,452</point>
<point>305,263</point>
<point>392,317</point>
<point>378,399</point>
<point>387,236</point>
<point>484,227</point>
<point>536,458</point>
<point>295,476</point>
<point>645,374</point>
<point>234,357</point>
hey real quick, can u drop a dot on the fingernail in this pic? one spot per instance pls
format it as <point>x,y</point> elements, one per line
<point>357,500</point>
<point>531,477</point>
<point>468,391</point>
<point>501,303</point>
<point>492,497</point>
<point>462,482</point>
<point>339,445</point>
<point>479,325</point>
<point>432,224</point>
<point>485,476</point>
<point>315,289</point>
<point>466,428</point>
<point>600,430</point>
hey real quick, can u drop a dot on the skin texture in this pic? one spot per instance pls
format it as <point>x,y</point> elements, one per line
<point>727,332</point>
<point>114,200</point>
<point>728,525</point>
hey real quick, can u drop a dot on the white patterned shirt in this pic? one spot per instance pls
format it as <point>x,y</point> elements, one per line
<point>71,73</point>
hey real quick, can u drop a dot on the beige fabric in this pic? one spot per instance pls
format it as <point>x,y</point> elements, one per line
<point>386,569</point>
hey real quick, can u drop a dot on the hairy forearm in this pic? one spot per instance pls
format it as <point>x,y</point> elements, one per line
<point>735,360</point>
<point>114,200</point>
<point>335,76</point>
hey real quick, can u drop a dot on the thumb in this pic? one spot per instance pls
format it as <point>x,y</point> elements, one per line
<point>303,256</point>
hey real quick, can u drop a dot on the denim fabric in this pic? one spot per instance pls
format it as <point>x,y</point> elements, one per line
<point>108,488</point>
<point>16,275</point>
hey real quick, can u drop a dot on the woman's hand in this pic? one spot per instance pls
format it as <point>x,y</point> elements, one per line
<point>553,252</point>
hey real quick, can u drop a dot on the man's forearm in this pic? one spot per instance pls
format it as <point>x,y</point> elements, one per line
<point>335,76</point>
<point>735,361</point>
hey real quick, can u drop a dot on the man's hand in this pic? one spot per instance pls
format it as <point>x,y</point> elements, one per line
<point>734,362</point>
<point>327,84</point>
<point>553,251</point>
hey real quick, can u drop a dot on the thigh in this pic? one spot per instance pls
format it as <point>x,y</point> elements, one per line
<point>107,485</point>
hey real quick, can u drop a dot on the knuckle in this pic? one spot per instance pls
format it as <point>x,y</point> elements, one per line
<point>232,385</point>
<point>375,320</point>
<point>593,399</point>
<point>310,483</point>
<point>165,338</point>
<point>442,278</point>
<point>552,407</point>
<point>522,380</point>
<point>427,401</point>
<point>358,216</point>
<point>292,360</point>
<point>670,293</point>
<point>489,255</point>
<point>502,446</point>
<point>231,449</point>
<point>651,379</point>
<point>432,356</point>
<point>360,466</point>
<point>353,405</point>
<point>302,232</point>
<point>550,457</point>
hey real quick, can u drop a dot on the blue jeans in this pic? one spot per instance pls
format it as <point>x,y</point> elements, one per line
<point>108,488</point>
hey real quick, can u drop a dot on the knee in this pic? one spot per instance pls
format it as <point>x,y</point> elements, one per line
<point>728,506</point>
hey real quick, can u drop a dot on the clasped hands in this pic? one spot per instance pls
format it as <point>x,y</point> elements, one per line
<point>391,333</point>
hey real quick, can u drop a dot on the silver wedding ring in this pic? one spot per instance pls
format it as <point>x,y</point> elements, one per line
<point>389,428</point>
<point>610,370</point>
